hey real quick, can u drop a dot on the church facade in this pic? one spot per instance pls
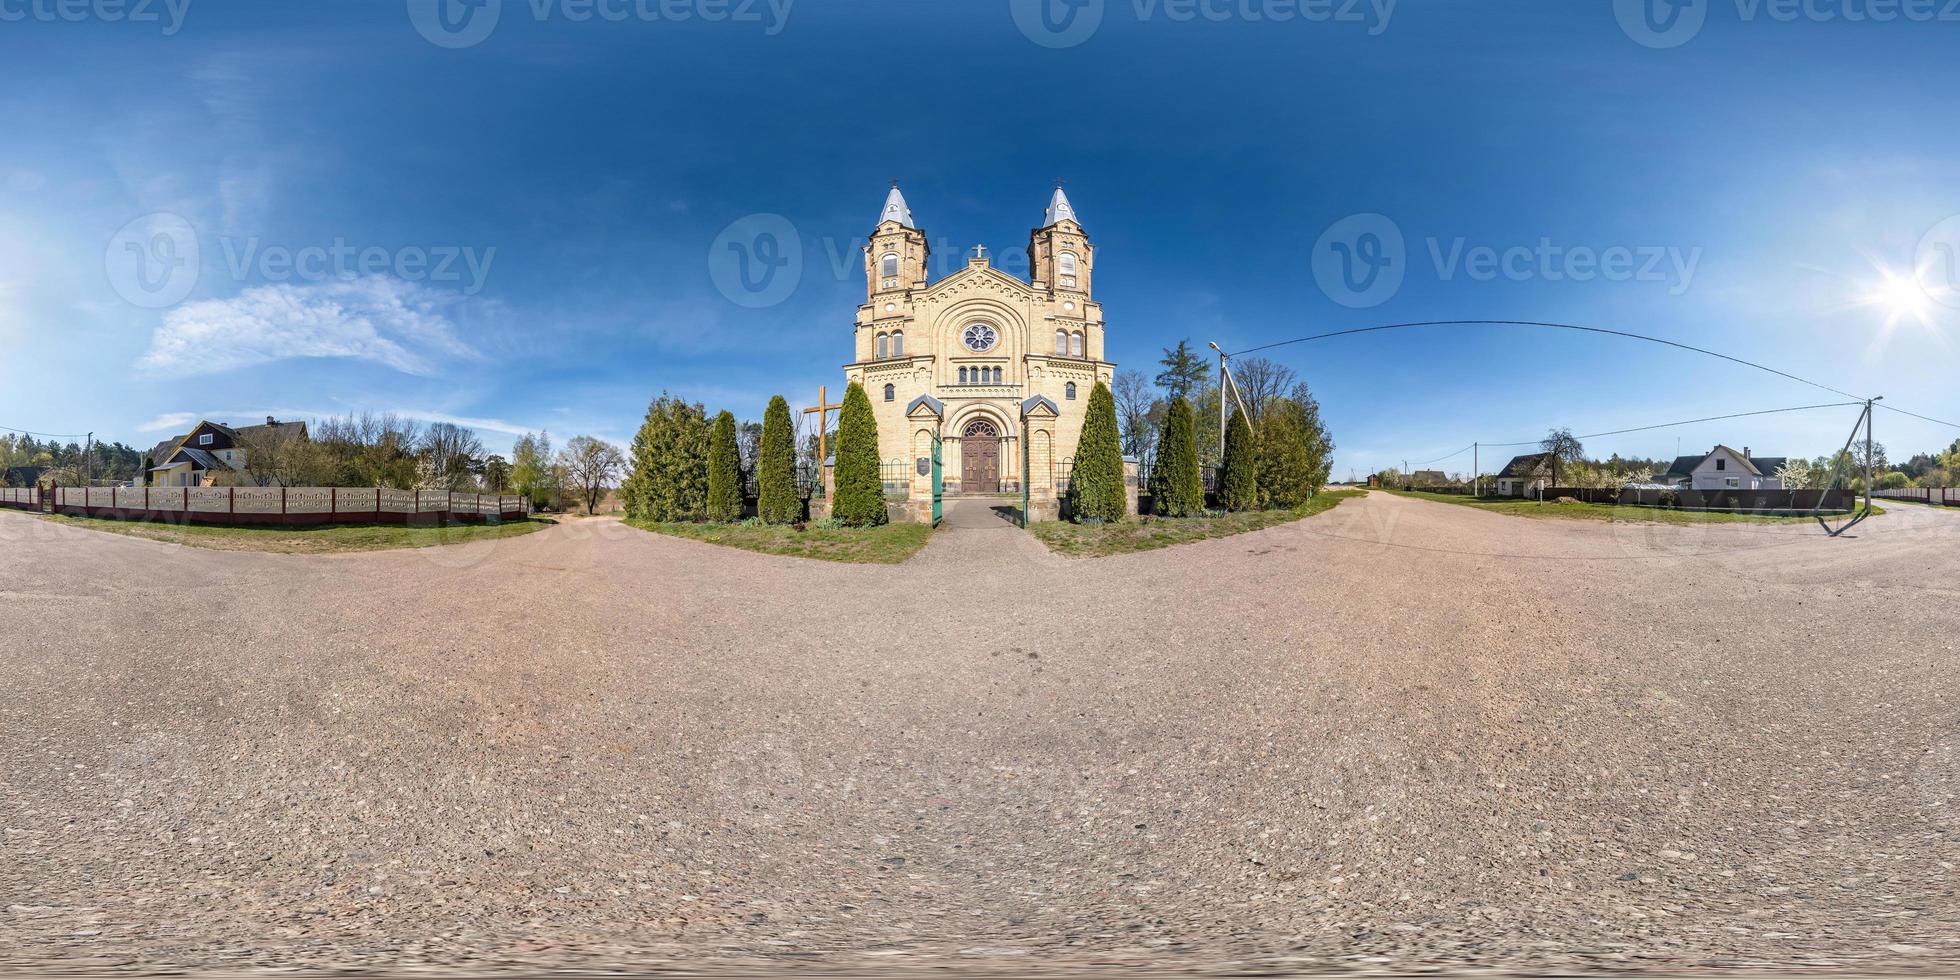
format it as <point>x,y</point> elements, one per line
<point>991,364</point>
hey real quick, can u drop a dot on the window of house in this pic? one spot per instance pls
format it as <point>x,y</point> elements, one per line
<point>996,375</point>
<point>884,346</point>
<point>898,343</point>
<point>1061,341</point>
<point>962,375</point>
<point>1069,391</point>
<point>1733,482</point>
<point>1075,344</point>
<point>204,440</point>
<point>1067,263</point>
<point>1721,464</point>
<point>888,266</point>
<point>891,393</point>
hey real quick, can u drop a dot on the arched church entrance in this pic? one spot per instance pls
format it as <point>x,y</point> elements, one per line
<point>980,457</point>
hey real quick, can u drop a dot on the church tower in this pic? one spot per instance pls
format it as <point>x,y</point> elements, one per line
<point>1060,258</point>
<point>895,261</point>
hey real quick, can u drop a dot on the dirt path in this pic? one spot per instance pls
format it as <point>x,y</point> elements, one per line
<point>1400,733</point>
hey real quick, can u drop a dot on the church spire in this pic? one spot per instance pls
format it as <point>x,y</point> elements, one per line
<point>896,209</point>
<point>1059,208</point>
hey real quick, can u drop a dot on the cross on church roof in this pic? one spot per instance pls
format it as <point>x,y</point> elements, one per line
<point>979,251</point>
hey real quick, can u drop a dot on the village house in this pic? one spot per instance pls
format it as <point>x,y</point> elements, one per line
<point>1525,476</point>
<point>1723,468</point>
<point>211,450</point>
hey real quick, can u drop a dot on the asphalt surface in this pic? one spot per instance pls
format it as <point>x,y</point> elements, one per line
<point>1400,735</point>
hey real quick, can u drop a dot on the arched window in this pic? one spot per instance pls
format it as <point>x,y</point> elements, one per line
<point>891,393</point>
<point>1075,344</point>
<point>962,375</point>
<point>884,346</point>
<point>888,266</point>
<point>1067,263</point>
<point>996,375</point>
<point>1061,341</point>
<point>1069,391</point>
<point>898,343</point>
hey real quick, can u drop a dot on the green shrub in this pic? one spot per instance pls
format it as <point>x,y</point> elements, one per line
<point>777,501</point>
<point>1095,488</point>
<point>669,479</point>
<point>860,488</point>
<point>1286,464</point>
<point>1176,487</point>
<point>1238,477</point>
<point>724,472</point>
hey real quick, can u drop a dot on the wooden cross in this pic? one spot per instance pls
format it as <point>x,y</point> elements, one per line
<point>822,412</point>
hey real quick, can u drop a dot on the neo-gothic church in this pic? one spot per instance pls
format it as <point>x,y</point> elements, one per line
<point>989,363</point>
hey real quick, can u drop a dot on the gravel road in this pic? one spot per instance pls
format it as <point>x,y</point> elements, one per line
<point>1400,735</point>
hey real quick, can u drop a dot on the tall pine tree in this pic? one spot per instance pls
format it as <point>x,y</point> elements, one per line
<point>1095,487</point>
<point>724,472</point>
<point>777,501</point>
<point>1177,488</point>
<point>1238,478</point>
<point>860,488</point>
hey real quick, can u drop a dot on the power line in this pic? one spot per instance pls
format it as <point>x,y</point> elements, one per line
<point>49,435</point>
<point>1550,325</point>
<point>1450,456</point>
<point>1923,418</point>
<point>1670,425</point>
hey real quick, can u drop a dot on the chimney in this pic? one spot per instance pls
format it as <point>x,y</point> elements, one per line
<point>1745,452</point>
<point>269,420</point>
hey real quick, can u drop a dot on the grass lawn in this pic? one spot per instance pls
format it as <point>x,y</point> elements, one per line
<point>885,545</point>
<point>1149,533</point>
<point>1609,512</point>
<point>328,539</point>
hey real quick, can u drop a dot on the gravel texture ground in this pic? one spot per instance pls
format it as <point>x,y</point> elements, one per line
<point>1397,736</point>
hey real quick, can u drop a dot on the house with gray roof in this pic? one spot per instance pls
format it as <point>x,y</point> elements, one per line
<point>1722,468</point>
<point>211,450</point>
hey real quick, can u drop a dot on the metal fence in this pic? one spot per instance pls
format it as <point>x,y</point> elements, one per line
<point>272,505</point>
<point>1947,496</point>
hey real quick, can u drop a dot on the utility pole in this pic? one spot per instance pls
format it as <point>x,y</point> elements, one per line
<point>1476,470</point>
<point>1869,403</point>
<point>1221,399</point>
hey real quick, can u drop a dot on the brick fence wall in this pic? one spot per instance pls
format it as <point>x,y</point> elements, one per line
<point>271,505</point>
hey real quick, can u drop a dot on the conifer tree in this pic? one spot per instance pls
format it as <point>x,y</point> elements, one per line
<point>1177,488</point>
<point>1238,477</point>
<point>777,501</point>
<point>1286,469</point>
<point>860,488</point>
<point>1095,486</point>
<point>724,472</point>
<point>669,480</point>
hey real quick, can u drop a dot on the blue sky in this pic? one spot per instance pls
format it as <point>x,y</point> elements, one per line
<point>1744,189</point>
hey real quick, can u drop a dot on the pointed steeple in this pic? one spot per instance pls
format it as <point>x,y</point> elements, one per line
<point>896,209</point>
<point>1059,208</point>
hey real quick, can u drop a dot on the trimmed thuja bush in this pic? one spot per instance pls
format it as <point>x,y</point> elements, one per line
<point>1095,486</point>
<point>669,481</point>
<point>1238,477</point>
<point>860,488</point>
<point>777,502</point>
<point>1176,488</point>
<point>1286,460</point>
<point>724,472</point>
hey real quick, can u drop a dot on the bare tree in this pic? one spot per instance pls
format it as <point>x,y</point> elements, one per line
<point>1261,382</point>
<point>593,466</point>
<point>1561,447</point>
<point>451,456</point>
<point>1133,400</point>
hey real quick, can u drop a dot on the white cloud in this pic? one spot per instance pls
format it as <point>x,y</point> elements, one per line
<point>378,318</point>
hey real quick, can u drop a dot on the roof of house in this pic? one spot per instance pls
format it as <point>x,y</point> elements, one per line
<point>1433,476</point>
<point>1522,466</point>
<point>161,454</point>
<point>1758,465</point>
